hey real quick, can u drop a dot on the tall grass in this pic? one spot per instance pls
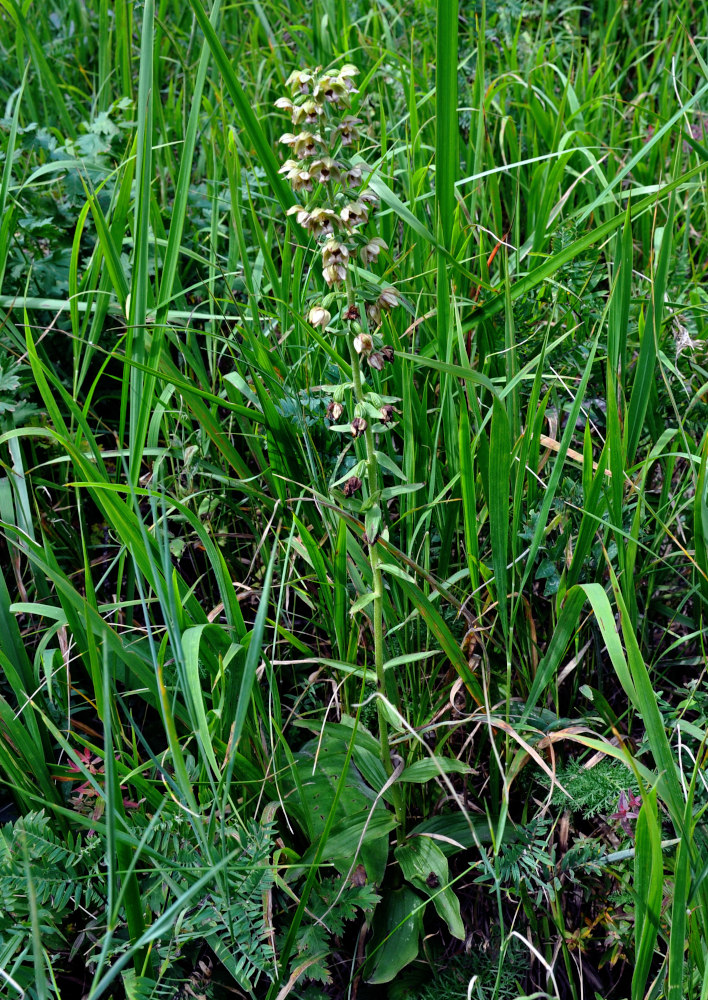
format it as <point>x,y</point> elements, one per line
<point>203,783</point>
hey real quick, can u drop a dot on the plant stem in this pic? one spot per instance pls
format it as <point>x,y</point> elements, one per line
<point>372,477</point>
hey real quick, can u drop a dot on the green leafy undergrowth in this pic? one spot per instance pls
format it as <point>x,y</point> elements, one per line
<point>592,791</point>
<point>69,880</point>
<point>334,903</point>
<point>479,975</point>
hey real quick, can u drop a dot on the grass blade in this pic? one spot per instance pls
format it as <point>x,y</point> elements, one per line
<point>644,376</point>
<point>648,888</point>
<point>499,470</point>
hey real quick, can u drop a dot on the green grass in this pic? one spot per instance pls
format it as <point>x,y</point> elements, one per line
<point>257,734</point>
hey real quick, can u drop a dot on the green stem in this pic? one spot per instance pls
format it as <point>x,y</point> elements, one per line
<point>372,476</point>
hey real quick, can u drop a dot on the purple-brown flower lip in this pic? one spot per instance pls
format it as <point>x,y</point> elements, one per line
<point>387,413</point>
<point>352,486</point>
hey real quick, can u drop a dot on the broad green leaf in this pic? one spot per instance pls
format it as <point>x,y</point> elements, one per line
<point>425,866</point>
<point>191,642</point>
<point>253,655</point>
<point>398,661</point>
<point>392,570</point>
<point>362,602</point>
<point>396,933</point>
<point>454,832</point>
<point>389,465</point>
<point>365,833</point>
<point>433,767</point>
<point>389,492</point>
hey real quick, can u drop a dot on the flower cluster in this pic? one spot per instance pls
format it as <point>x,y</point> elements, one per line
<point>336,204</point>
<point>315,108</point>
<point>364,344</point>
<point>319,107</point>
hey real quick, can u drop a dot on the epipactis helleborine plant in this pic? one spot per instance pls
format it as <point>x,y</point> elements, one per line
<point>324,170</point>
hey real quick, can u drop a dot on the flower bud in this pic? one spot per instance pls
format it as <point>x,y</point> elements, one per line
<point>319,316</point>
<point>299,82</point>
<point>334,411</point>
<point>359,425</point>
<point>373,311</point>
<point>346,73</point>
<point>363,344</point>
<point>376,361</point>
<point>388,298</point>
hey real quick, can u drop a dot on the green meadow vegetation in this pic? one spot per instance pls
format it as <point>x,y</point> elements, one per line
<point>353,499</point>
